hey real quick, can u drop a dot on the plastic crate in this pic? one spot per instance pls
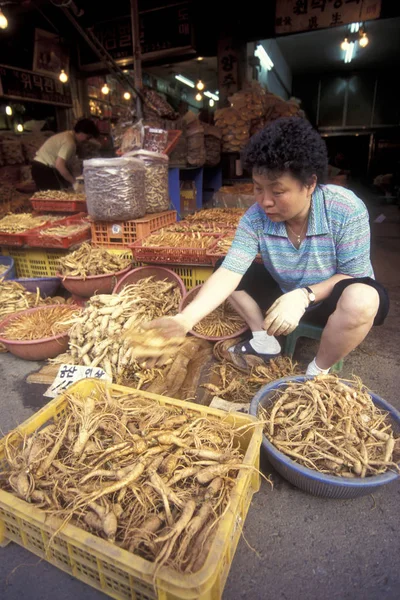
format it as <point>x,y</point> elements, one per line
<point>192,276</point>
<point>58,205</point>
<point>36,240</point>
<point>19,239</point>
<point>174,255</point>
<point>108,568</point>
<point>42,263</point>
<point>35,263</point>
<point>122,233</point>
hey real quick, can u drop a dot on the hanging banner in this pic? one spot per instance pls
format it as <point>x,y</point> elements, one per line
<point>26,85</point>
<point>308,15</point>
<point>228,68</point>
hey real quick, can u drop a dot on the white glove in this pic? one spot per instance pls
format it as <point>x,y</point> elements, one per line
<point>284,315</point>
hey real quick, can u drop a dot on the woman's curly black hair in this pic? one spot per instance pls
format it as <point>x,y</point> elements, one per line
<point>289,144</point>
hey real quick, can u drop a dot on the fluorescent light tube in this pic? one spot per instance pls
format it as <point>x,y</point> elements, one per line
<point>349,53</point>
<point>185,80</point>
<point>212,96</point>
<point>265,60</point>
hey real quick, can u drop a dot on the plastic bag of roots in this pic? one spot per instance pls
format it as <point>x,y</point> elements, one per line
<point>115,188</point>
<point>156,180</point>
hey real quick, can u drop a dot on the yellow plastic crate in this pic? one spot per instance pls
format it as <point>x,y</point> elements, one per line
<point>104,566</point>
<point>35,263</point>
<point>43,263</point>
<point>191,276</point>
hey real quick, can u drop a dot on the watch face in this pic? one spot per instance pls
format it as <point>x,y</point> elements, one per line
<point>311,297</point>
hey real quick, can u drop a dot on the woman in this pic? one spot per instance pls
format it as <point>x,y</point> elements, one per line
<point>315,246</point>
<point>50,167</point>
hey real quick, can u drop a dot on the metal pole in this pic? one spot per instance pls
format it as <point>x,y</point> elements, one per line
<point>137,55</point>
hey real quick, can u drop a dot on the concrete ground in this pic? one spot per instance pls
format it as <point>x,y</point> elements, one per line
<point>294,546</point>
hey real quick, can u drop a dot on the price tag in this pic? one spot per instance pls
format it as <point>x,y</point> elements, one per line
<point>69,374</point>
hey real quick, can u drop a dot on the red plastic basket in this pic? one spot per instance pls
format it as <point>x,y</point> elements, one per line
<point>59,205</point>
<point>168,255</point>
<point>36,240</point>
<point>122,233</point>
<point>19,239</point>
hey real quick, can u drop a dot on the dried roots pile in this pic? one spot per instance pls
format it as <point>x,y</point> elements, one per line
<point>59,195</point>
<point>233,385</point>
<point>226,216</point>
<point>189,239</point>
<point>151,478</point>
<point>223,245</point>
<point>330,427</point>
<point>194,226</point>
<point>88,261</point>
<point>22,222</point>
<point>65,230</point>
<point>14,298</point>
<point>221,322</point>
<point>100,336</point>
<point>43,323</point>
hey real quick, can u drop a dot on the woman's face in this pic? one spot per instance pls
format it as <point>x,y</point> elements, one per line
<point>282,198</point>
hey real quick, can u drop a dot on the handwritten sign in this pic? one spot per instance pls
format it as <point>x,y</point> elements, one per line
<point>308,15</point>
<point>69,374</point>
<point>26,85</point>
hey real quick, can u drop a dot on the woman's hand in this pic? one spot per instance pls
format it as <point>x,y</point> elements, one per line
<point>284,315</point>
<point>169,327</point>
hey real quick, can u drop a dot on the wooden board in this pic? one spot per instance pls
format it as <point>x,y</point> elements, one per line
<point>46,375</point>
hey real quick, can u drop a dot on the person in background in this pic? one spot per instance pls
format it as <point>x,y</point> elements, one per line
<point>50,166</point>
<point>314,241</point>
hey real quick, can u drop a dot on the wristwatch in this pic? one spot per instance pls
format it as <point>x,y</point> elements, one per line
<point>310,295</point>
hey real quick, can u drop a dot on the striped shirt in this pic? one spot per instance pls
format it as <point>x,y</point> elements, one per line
<point>337,241</point>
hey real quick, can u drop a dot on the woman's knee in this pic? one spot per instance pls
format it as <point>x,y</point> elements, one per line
<point>360,303</point>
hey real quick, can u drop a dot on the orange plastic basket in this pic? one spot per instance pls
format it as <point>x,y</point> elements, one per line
<point>123,233</point>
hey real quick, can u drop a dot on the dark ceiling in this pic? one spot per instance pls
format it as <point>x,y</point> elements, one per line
<point>309,52</point>
<point>319,51</point>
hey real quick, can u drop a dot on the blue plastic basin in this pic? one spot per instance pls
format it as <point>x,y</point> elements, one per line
<point>47,285</point>
<point>8,262</point>
<point>313,482</point>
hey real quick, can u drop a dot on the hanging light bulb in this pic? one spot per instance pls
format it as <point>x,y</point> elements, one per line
<point>20,127</point>
<point>200,85</point>
<point>364,41</point>
<point>127,96</point>
<point>63,77</point>
<point>3,20</point>
<point>8,111</point>
<point>211,102</point>
<point>199,97</point>
<point>345,44</point>
<point>105,89</point>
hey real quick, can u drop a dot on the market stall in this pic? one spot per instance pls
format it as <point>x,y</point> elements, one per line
<point>137,474</point>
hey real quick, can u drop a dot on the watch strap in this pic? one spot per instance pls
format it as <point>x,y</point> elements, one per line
<point>310,292</point>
